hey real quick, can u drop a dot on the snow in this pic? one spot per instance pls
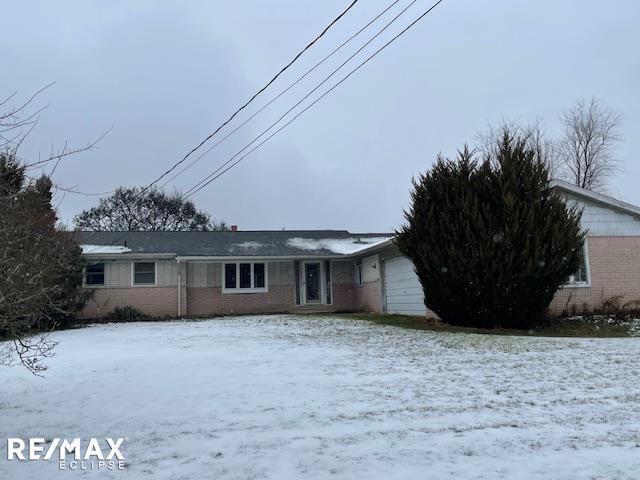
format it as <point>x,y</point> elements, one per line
<point>342,246</point>
<point>249,245</point>
<point>285,397</point>
<point>104,249</point>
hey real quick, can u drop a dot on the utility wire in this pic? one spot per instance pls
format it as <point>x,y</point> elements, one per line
<point>252,98</point>
<point>387,25</point>
<point>392,4</point>
<point>214,176</point>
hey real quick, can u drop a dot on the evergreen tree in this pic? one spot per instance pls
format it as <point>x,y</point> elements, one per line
<point>490,240</point>
<point>40,267</point>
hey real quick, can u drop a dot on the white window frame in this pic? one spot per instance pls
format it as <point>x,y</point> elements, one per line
<point>252,289</point>
<point>133,274</point>
<point>84,276</point>
<point>587,284</point>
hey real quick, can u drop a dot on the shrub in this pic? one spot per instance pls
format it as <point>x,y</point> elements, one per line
<point>490,240</point>
<point>127,314</point>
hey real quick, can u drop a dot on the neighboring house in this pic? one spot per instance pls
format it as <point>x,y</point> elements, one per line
<point>239,272</point>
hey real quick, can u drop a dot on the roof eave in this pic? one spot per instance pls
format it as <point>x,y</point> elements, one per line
<point>235,258</point>
<point>596,197</point>
<point>128,255</point>
<point>373,248</point>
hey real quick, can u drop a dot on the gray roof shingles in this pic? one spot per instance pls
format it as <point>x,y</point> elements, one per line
<point>219,244</point>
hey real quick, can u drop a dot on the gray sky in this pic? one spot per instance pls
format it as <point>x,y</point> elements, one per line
<point>166,74</point>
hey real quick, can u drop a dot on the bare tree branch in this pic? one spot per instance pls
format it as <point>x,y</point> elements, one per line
<point>587,147</point>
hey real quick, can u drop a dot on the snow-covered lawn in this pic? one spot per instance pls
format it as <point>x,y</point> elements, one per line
<point>288,397</point>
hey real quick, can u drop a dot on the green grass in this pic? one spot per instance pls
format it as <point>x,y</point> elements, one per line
<point>556,328</point>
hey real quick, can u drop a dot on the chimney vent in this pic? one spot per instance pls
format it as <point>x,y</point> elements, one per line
<point>234,228</point>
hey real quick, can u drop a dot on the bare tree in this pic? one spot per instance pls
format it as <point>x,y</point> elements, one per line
<point>586,149</point>
<point>534,134</point>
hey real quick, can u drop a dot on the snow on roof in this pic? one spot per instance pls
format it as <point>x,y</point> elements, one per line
<point>342,246</point>
<point>249,245</point>
<point>104,249</point>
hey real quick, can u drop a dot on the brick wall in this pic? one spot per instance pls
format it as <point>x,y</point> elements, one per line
<point>368,297</point>
<point>280,298</point>
<point>614,264</point>
<point>153,301</point>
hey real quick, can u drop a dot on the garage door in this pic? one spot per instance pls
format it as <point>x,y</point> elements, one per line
<point>403,291</point>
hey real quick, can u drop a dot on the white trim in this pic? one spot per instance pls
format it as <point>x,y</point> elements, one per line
<point>133,275</point>
<point>587,284</point>
<point>129,257</point>
<point>330,281</point>
<point>257,258</point>
<point>596,197</point>
<point>253,289</point>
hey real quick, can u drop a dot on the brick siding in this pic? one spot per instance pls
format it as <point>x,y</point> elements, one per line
<point>280,298</point>
<point>614,264</point>
<point>152,301</point>
<point>368,297</point>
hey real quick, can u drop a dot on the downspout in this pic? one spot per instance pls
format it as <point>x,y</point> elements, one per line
<point>179,292</point>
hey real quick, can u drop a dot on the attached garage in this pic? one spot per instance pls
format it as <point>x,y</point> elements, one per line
<point>403,291</point>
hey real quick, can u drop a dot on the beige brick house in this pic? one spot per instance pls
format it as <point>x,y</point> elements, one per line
<point>239,272</point>
<point>234,272</point>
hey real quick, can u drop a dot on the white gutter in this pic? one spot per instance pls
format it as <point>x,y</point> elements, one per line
<point>226,258</point>
<point>127,256</point>
<point>596,197</point>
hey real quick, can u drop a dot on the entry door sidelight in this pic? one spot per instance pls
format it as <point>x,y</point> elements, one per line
<point>313,285</point>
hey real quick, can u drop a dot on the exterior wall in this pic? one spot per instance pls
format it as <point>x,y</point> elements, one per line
<point>205,297</point>
<point>160,300</point>
<point>368,297</point>
<point>369,294</point>
<point>152,301</point>
<point>614,269</point>
<point>604,221</point>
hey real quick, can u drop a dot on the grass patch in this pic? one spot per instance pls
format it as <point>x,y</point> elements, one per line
<point>567,327</point>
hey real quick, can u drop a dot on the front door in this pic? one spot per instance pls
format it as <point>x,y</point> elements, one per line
<point>313,285</point>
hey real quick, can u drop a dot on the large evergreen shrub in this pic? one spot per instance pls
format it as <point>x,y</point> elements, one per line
<point>490,240</point>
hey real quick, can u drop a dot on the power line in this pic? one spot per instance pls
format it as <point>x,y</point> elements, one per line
<point>252,98</point>
<point>211,178</point>
<point>387,25</point>
<point>392,4</point>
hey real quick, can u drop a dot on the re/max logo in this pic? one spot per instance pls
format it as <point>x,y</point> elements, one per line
<point>84,455</point>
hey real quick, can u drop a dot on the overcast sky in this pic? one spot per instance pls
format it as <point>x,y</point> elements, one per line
<point>166,74</point>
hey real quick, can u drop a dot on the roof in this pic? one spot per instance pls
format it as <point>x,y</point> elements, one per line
<point>264,243</point>
<point>596,197</point>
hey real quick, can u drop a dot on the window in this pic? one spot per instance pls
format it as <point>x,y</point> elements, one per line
<point>230,275</point>
<point>144,273</point>
<point>94,274</point>
<point>258,275</point>
<point>245,277</point>
<point>581,277</point>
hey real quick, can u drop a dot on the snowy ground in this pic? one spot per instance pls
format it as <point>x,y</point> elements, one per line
<point>285,397</point>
